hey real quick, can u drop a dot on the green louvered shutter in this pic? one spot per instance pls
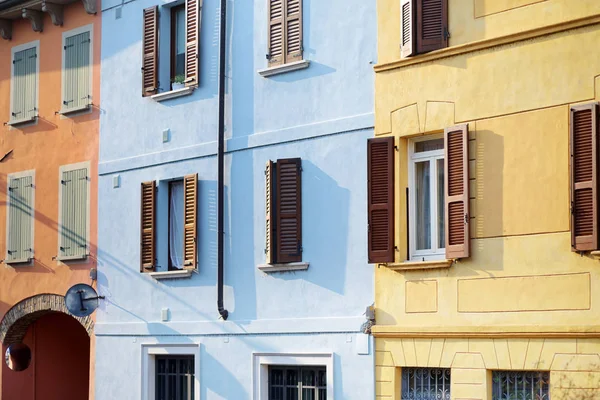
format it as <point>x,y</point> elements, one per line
<point>20,220</point>
<point>24,89</point>
<point>73,228</point>
<point>76,85</point>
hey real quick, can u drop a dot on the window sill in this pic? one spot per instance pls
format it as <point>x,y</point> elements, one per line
<point>172,94</point>
<point>595,254</point>
<point>282,69</point>
<point>71,258</point>
<point>22,121</point>
<point>297,266</point>
<point>21,261</point>
<point>179,274</point>
<point>74,110</point>
<point>419,265</point>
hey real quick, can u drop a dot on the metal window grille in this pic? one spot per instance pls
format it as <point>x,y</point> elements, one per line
<point>425,384</point>
<point>174,377</point>
<point>520,385</point>
<point>297,383</point>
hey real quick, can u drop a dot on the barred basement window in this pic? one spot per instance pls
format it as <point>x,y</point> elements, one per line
<point>425,384</point>
<point>174,378</point>
<point>297,383</point>
<point>521,385</point>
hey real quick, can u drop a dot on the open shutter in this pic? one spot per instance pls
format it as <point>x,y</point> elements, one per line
<point>150,52</point>
<point>407,40</point>
<point>275,29</point>
<point>584,177</point>
<point>193,17</point>
<point>456,163</point>
<point>20,220</point>
<point>289,210</point>
<point>269,214</point>
<point>73,225</point>
<point>190,220</point>
<point>148,226</point>
<point>293,31</point>
<point>432,25</point>
<point>380,202</point>
<point>76,82</point>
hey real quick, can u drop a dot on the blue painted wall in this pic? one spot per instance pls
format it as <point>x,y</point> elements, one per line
<point>322,114</point>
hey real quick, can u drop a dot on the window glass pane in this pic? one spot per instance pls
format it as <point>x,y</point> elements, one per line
<point>429,145</point>
<point>176,224</point>
<point>440,205</point>
<point>423,205</point>
<point>179,41</point>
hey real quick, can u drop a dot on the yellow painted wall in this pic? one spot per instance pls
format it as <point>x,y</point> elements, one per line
<point>522,300</point>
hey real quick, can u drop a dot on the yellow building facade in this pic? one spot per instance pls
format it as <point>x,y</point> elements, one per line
<point>522,300</point>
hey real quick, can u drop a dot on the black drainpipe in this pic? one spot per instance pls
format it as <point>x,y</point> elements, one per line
<point>220,159</point>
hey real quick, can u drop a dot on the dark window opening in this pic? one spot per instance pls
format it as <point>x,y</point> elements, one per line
<point>178,43</point>
<point>174,377</point>
<point>297,383</point>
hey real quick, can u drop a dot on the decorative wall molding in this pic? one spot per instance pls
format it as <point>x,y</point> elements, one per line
<point>35,17</point>
<point>6,29</point>
<point>55,11</point>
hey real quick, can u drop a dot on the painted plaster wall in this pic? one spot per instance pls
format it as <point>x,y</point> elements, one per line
<point>54,141</point>
<point>522,285</point>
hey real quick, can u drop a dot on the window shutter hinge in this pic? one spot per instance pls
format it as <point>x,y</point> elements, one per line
<point>446,34</point>
<point>466,218</point>
<point>268,55</point>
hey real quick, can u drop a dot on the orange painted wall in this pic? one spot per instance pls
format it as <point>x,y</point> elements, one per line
<point>53,142</point>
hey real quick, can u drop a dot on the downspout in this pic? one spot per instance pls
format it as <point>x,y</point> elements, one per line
<point>220,161</point>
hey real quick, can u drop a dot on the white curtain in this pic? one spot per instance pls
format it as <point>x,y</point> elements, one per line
<point>176,224</point>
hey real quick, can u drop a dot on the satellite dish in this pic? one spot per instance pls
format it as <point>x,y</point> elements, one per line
<point>82,300</point>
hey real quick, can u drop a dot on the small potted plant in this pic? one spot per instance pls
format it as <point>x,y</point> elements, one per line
<point>177,82</point>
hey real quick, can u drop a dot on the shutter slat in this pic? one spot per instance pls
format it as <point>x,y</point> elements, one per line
<point>293,34</point>
<point>193,17</point>
<point>289,210</point>
<point>269,214</point>
<point>148,226</point>
<point>407,40</point>
<point>456,163</point>
<point>150,52</point>
<point>432,22</point>
<point>584,180</point>
<point>190,221</point>
<point>276,32</point>
<point>380,202</point>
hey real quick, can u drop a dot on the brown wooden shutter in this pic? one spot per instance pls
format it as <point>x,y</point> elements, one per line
<point>380,202</point>
<point>269,214</point>
<point>193,18</point>
<point>456,163</point>
<point>276,32</point>
<point>190,221</point>
<point>584,177</point>
<point>289,210</point>
<point>293,31</point>
<point>148,226</point>
<point>407,39</point>
<point>432,25</point>
<point>150,52</point>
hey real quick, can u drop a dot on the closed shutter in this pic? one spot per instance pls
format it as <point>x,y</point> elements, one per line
<point>457,191</point>
<point>269,214</point>
<point>190,220</point>
<point>76,84</point>
<point>276,32</point>
<point>193,17</point>
<point>148,226</point>
<point>73,226</point>
<point>380,201</point>
<point>289,210</point>
<point>293,31</point>
<point>432,25</point>
<point>407,39</point>
<point>150,52</point>
<point>584,177</point>
<point>24,85</point>
<point>20,220</point>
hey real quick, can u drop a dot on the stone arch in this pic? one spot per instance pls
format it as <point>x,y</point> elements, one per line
<point>16,321</point>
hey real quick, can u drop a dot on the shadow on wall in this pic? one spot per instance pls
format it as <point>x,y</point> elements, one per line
<point>227,386</point>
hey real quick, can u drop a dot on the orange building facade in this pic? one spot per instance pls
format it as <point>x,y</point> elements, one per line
<point>49,115</point>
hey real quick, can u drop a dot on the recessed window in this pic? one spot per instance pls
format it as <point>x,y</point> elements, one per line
<point>522,385</point>
<point>426,190</point>
<point>177,42</point>
<point>297,383</point>
<point>425,383</point>
<point>174,377</point>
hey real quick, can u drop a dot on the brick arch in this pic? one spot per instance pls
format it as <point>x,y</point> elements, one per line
<point>17,320</point>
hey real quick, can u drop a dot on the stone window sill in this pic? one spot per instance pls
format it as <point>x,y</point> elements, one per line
<point>297,266</point>
<point>71,258</point>
<point>178,274</point>
<point>22,121</point>
<point>419,265</point>
<point>21,261</point>
<point>282,69</point>
<point>74,110</point>
<point>172,94</point>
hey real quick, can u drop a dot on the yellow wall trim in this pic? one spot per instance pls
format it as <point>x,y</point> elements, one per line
<point>572,332</point>
<point>484,44</point>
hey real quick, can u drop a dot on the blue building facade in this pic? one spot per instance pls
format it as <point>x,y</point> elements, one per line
<point>296,318</point>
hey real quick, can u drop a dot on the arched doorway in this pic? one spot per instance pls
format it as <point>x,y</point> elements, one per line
<point>60,350</point>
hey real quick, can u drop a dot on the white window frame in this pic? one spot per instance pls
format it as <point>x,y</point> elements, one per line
<point>262,361</point>
<point>149,353</point>
<point>67,168</point>
<point>434,253</point>
<point>17,175</point>
<point>34,44</point>
<point>86,28</point>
